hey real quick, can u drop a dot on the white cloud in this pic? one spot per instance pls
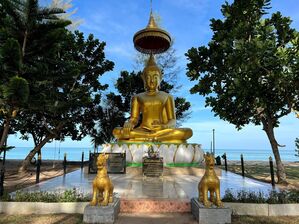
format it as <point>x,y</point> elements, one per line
<point>121,50</point>
<point>200,108</point>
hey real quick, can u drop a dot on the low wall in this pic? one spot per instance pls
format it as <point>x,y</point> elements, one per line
<point>264,209</point>
<point>15,208</point>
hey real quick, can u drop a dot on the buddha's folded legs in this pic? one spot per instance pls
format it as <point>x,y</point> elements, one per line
<point>174,135</point>
<point>177,135</point>
<point>138,133</point>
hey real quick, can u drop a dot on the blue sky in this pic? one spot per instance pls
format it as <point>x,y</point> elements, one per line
<point>115,22</point>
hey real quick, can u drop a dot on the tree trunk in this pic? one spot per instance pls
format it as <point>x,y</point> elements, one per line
<point>24,43</point>
<point>4,133</point>
<point>281,175</point>
<point>32,153</point>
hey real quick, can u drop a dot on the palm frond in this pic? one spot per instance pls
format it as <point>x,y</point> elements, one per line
<point>14,9</point>
<point>16,91</point>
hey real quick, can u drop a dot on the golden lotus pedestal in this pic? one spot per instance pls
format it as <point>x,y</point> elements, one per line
<point>172,154</point>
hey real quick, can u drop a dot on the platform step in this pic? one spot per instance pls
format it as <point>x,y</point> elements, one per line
<point>154,205</point>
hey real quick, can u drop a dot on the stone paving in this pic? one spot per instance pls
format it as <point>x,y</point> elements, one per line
<point>133,185</point>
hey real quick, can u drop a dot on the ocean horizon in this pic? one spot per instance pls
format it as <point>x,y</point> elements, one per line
<point>75,153</point>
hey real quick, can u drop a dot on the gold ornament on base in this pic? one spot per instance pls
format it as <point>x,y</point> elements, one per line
<point>209,183</point>
<point>102,186</point>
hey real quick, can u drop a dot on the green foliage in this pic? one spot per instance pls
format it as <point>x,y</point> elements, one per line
<point>182,109</point>
<point>249,70</point>
<point>297,147</point>
<point>28,35</point>
<point>10,58</point>
<point>273,197</point>
<point>16,91</point>
<point>69,91</point>
<point>62,70</point>
<point>5,197</point>
<point>72,195</point>
<point>244,197</point>
<point>250,65</point>
<point>113,115</point>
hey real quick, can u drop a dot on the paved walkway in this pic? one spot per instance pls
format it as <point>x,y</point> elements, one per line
<point>164,218</point>
<point>177,183</point>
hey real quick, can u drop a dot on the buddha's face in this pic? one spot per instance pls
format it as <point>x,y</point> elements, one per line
<point>152,80</point>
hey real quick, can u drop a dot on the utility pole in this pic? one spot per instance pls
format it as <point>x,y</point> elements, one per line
<point>214,141</point>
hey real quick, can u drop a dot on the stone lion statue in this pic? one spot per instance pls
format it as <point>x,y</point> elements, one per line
<point>209,183</point>
<point>102,186</point>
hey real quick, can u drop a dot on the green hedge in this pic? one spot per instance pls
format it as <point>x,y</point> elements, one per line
<point>273,197</point>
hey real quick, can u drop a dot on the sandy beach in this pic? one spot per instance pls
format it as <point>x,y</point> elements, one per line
<point>15,180</point>
<point>260,170</point>
<point>259,162</point>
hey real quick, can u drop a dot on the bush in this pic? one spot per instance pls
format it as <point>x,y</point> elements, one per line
<point>72,195</point>
<point>273,197</point>
<point>5,197</point>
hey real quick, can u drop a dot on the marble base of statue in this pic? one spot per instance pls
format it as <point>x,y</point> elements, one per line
<point>211,215</point>
<point>171,153</point>
<point>102,214</point>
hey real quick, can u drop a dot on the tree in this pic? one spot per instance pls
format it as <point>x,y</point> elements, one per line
<point>69,95</point>
<point>14,90</point>
<point>249,72</point>
<point>67,5</point>
<point>112,115</point>
<point>23,34</point>
<point>62,71</point>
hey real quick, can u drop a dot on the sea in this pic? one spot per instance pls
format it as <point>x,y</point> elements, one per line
<point>75,154</point>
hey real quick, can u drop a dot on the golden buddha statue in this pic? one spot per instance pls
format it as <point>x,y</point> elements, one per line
<point>158,114</point>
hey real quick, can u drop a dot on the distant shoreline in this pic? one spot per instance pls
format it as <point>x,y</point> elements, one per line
<point>229,162</point>
<point>75,154</point>
<point>252,162</point>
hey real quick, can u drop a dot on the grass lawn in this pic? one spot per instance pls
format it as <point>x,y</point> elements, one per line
<point>77,218</point>
<point>42,219</point>
<point>265,220</point>
<point>262,172</point>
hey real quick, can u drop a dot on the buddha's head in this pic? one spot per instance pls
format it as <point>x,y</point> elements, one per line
<point>151,75</point>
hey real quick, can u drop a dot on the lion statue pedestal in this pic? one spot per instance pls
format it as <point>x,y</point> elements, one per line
<point>210,215</point>
<point>102,214</point>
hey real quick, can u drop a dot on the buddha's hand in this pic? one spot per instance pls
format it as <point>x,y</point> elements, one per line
<point>128,126</point>
<point>156,124</point>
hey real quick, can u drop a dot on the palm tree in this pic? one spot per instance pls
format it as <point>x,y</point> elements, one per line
<point>26,31</point>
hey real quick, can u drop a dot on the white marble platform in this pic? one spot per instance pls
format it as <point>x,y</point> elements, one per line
<point>171,153</point>
<point>132,185</point>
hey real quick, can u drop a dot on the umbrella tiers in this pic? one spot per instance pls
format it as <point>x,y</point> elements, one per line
<point>152,39</point>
